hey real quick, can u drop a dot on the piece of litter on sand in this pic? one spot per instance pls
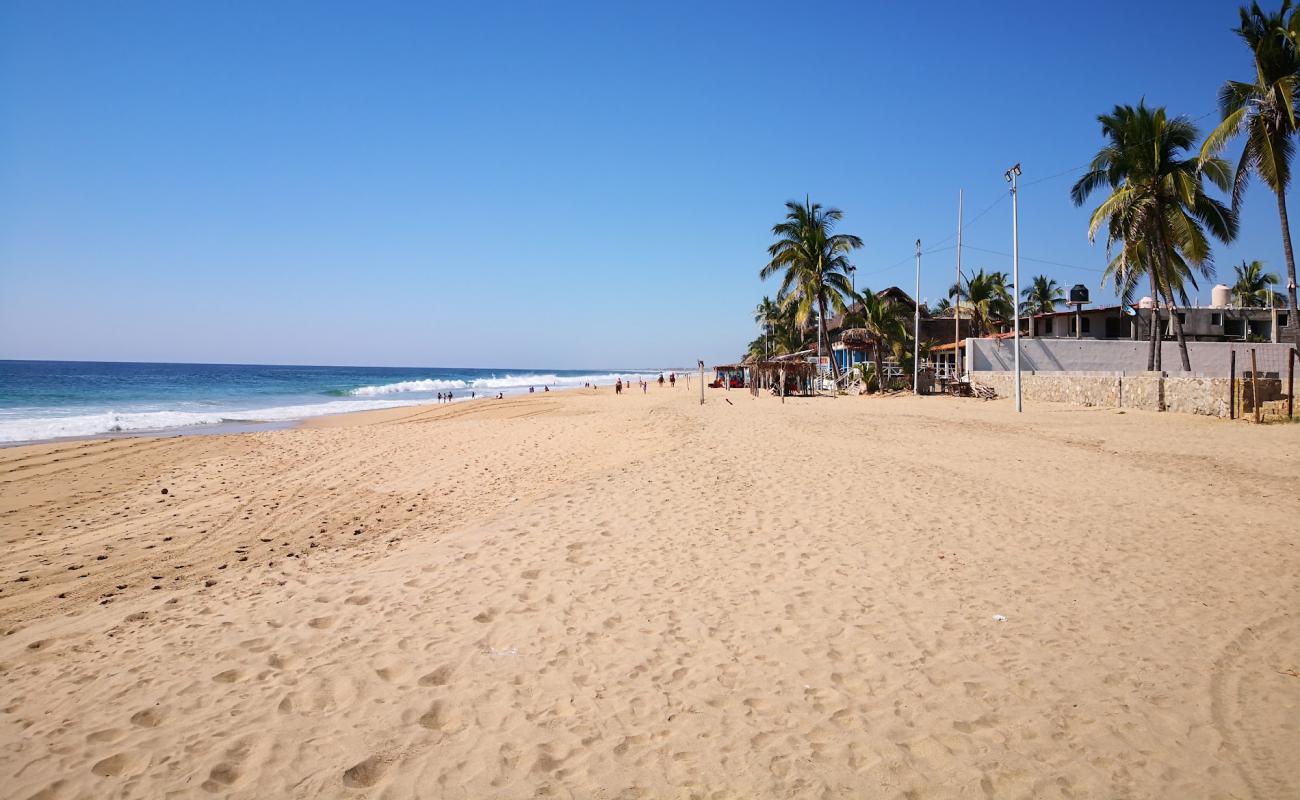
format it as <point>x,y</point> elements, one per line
<point>999,618</point>
<point>509,651</point>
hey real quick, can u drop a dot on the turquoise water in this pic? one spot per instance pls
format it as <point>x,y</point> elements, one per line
<point>53,399</point>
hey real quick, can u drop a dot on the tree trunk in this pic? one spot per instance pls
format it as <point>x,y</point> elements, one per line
<point>1153,323</point>
<point>879,343</point>
<point>826,336</point>
<point>1173,313</point>
<point>1293,312</point>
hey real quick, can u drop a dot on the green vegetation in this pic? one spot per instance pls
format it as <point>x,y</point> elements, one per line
<point>1252,288</point>
<point>813,263</point>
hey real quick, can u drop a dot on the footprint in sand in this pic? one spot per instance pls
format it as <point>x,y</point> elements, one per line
<point>229,676</point>
<point>147,718</point>
<point>439,718</point>
<point>439,677</point>
<point>107,735</point>
<point>112,766</point>
<point>364,774</point>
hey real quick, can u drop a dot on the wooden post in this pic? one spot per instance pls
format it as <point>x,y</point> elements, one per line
<point>782,376</point>
<point>1291,356</point>
<point>1254,384</point>
<point>701,383</point>
<point>1232,384</point>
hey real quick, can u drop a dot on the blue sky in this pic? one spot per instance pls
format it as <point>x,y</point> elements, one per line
<point>539,184</point>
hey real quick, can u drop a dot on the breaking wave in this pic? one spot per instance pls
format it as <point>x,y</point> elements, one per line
<point>41,428</point>
<point>495,384</point>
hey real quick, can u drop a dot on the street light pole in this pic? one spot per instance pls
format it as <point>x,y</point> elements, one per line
<point>1011,176</point>
<point>916,326</point>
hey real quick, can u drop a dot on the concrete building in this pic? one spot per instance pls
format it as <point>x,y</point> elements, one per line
<point>1216,323</point>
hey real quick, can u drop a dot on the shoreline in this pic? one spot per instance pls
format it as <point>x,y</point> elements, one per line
<point>254,425</point>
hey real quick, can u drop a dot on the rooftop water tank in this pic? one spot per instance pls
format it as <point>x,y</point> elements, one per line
<point>1220,296</point>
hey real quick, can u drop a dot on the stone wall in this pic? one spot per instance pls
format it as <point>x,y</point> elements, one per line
<point>1151,391</point>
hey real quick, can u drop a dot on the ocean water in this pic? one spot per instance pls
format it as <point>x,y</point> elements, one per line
<point>42,400</point>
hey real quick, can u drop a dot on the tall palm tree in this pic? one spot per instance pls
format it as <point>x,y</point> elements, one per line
<point>1041,297</point>
<point>988,298</point>
<point>765,314</point>
<point>1157,206</point>
<point>814,262</point>
<point>1264,112</point>
<point>884,320</point>
<point>1254,286</point>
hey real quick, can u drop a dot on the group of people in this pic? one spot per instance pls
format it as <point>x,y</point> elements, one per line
<point>445,397</point>
<point>618,383</point>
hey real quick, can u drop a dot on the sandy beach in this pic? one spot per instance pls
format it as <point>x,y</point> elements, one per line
<point>578,595</point>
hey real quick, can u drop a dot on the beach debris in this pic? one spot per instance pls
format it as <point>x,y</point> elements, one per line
<point>999,618</point>
<point>507,651</point>
<point>164,491</point>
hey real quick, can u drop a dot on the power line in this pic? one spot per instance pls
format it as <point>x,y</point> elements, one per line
<point>1036,260</point>
<point>1087,164</point>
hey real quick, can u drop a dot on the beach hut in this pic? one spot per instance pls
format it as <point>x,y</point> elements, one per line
<point>730,376</point>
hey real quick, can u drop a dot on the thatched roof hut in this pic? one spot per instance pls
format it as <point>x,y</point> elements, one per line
<point>857,338</point>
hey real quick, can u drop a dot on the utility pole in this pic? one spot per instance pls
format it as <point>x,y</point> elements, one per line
<point>956,315</point>
<point>1011,176</point>
<point>916,326</point>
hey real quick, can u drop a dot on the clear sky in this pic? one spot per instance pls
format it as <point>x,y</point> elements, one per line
<point>540,184</point>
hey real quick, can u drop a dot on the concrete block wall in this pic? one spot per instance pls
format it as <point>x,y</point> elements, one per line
<point>1209,359</point>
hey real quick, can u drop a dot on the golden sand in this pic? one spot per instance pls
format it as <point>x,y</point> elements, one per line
<point>589,596</point>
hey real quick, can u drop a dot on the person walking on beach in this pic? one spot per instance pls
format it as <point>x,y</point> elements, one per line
<point>661,380</point>
<point>618,386</point>
<point>448,397</point>
<point>672,380</point>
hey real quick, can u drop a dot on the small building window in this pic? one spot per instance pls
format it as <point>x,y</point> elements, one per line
<point>1047,325</point>
<point>1087,325</point>
<point>1282,320</point>
<point>1216,319</point>
<point>1182,318</point>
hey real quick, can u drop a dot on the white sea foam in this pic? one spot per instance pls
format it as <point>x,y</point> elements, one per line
<point>29,429</point>
<point>495,384</point>
<point>17,426</point>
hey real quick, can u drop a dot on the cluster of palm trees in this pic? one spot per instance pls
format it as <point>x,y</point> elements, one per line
<point>1158,218</point>
<point>812,260</point>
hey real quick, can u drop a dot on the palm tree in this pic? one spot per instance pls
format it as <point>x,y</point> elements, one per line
<point>814,260</point>
<point>941,307</point>
<point>1041,297</point>
<point>988,297</point>
<point>883,319</point>
<point>766,313</point>
<point>1157,207</point>
<point>1265,113</point>
<point>1253,288</point>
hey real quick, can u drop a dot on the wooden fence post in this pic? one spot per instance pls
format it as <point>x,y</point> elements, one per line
<point>1254,384</point>
<point>1232,384</point>
<point>1291,356</point>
